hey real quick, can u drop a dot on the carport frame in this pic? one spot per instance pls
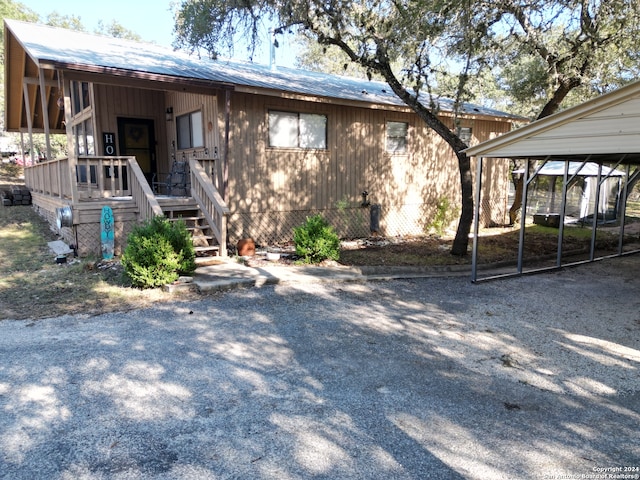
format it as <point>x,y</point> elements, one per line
<point>617,160</point>
<point>605,129</point>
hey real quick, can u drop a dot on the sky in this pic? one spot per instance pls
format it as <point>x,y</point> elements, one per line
<point>151,19</point>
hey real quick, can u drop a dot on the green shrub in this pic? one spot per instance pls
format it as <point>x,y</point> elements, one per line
<point>158,252</point>
<point>444,216</point>
<point>316,240</point>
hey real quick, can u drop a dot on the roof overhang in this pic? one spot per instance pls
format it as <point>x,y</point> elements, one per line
<point>41,48</point>
<point>604,129</point>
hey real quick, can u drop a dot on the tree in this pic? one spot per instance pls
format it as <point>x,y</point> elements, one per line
<point>371,34</point>
<point>429,40</point>
<point>115,29</point>
<point>553,49</point>
<point>70,22</point>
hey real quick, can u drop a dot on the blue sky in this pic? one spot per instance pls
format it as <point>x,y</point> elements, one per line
<point>151,19</point>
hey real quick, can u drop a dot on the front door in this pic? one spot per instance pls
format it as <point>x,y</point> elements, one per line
<point>136,137</point>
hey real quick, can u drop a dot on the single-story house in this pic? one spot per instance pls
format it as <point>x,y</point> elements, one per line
<point>264,146</point>
<point>604,131</point>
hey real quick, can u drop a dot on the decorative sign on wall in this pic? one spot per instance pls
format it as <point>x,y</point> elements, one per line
<point>109,142</point>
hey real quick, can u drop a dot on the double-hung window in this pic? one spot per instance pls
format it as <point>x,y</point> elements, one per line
<point>297,130</point>
<point>190,131</point>
<point>397,133</point>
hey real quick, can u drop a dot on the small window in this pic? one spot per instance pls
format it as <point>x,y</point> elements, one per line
<point>465,134</point>
<point>83,136</point>
<point>297,130</point>
<point>81,96</point>
<point>190,130</point>
<point>397,137</point>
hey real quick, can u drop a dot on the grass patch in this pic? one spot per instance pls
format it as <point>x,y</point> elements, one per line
<point>33,285</point>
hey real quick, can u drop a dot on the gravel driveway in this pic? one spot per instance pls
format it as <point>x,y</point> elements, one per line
<point>535,377</point>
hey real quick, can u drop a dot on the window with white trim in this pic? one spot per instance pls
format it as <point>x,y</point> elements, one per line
<point>297,130</point>
<point>397,134</point>
<point>465,134</point>
<point>190,130</point>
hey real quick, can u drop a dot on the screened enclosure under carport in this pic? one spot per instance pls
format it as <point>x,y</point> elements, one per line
<point>580,200</point>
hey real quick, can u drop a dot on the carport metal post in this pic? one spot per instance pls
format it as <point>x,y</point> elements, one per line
<point>523,213</point>
<point>476,221</point>
<point>563,211</point>
<point>594,232</point>
<point>623,208</point>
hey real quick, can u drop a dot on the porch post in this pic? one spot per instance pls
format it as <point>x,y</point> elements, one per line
<point>44,100</point>
<point>71,152</point>
<point>27,104</point>
<point>227,126</point>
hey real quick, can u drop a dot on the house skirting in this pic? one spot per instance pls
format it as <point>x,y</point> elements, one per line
<point>85,232</point>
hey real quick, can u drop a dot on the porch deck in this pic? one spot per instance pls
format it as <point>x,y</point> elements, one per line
<point>118,182</point>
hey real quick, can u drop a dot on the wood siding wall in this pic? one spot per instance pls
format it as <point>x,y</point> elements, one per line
<point>113,102</point>
<point>271,190</point>
<point>183,103</point>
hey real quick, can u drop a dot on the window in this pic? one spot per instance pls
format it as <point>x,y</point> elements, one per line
<point>81,96</point>
<point>83,135</point>
<point>297,130</point>
<point>190,131</point>
<point>397,137</point>
<point>465,134</point>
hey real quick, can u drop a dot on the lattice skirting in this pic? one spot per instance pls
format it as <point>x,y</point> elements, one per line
<point>88,236</point>
<point>268,228</point>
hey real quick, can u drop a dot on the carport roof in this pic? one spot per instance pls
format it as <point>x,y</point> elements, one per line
<point>604,129</point>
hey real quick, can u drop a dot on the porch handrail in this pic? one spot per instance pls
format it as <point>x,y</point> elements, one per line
<point>141,192</point>
<point>211,204</point>
<point>211,166</point>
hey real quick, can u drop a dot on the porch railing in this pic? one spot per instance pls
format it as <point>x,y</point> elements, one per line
<point>211,203</point>
<point>211,169</point>
<point>141,192</point>
<point>49,178</point>
<point>101,177</point>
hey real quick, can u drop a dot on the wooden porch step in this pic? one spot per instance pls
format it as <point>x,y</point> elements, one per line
<point>186,219</point>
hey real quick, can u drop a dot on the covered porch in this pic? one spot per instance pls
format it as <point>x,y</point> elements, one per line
<point>124,130</point>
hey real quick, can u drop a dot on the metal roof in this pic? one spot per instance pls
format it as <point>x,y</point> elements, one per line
<point>57,47</point>
<point>602,129</point>
<point>589,169</point>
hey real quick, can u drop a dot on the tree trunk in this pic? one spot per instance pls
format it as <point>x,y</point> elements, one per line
<point>550,108</point>
<point>461,240</point>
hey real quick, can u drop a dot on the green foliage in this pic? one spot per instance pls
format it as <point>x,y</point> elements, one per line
<point>158,252</point>
<point>445,214</point>
<point>316,240</point>
<point>116,30</point>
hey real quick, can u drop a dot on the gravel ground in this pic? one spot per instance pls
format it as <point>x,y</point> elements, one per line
<point>534,377</point>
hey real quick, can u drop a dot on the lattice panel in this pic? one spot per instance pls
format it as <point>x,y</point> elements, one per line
<point>88,236</point>
<point>269,228</point>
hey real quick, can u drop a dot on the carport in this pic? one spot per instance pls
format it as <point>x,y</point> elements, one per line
<point>604,131</point>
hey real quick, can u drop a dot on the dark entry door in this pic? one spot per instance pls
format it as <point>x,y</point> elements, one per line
<point>136,137</point>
